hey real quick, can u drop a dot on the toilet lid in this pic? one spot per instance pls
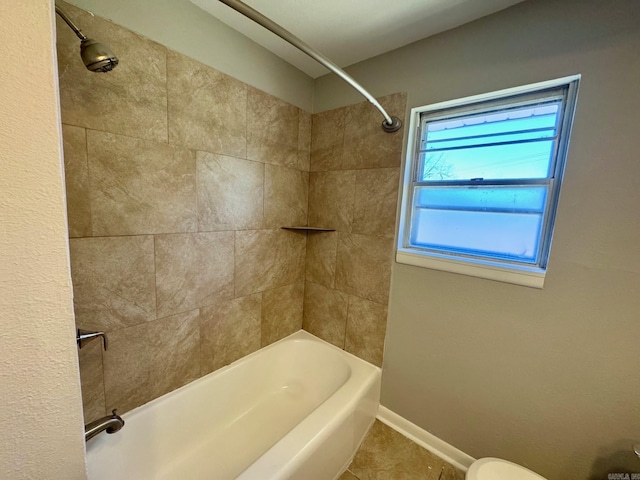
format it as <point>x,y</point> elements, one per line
<point>497,469</point>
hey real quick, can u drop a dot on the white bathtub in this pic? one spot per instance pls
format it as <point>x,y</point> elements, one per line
<point>297,409</point>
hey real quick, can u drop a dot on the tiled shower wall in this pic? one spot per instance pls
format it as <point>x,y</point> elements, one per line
<point>353,187</point>
<point>178,180</point>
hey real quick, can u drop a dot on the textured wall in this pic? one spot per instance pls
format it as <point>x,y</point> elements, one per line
<point>185,28</point>
<point>178,180</point>
<point>353,188</point>
<point>39,384</point>
<point>547,378</point>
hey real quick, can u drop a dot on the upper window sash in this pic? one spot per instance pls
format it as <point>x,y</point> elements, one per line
<point>554,97</point>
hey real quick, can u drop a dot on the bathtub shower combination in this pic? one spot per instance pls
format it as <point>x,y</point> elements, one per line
<point>296,409</point>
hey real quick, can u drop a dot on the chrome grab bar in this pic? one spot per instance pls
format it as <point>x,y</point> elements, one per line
<point>85,336</point>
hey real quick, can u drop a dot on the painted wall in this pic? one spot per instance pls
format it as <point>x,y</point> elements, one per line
<point>185,28</point>
<point>39,382</point>
<point>546,378</point>
<point>178,180</point>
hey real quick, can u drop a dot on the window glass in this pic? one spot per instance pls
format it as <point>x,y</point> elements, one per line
<point>527,199</point>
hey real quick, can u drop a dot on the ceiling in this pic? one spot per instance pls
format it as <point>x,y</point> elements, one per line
<point>353,30</point>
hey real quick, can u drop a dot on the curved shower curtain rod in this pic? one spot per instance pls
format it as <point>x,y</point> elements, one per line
<point>390,124</point>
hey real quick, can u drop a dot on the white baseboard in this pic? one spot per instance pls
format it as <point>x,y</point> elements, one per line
<point>427,440</point>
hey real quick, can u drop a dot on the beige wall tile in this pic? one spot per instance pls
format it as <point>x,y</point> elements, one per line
<point>387,455</point>
<point>229,331</point>
<point>139,186</point>
<point>92,381</point>
<point>131,99</point>
<point>363,266</point>
<point>286,196</point>
<point>207,109</point>
<point>113,281</point>
<point>193,270</point>
<point>366,145</point>
<point>272,129</point>
<point>327,138</point>
<point>146,361</point>
<point>366,328</point>
<point>76,176</point>
<point>281,312</point>
<point>320,265</point>
<point>267,259</point>
<point>376,202</point>
<point>449,472</point>
<point>304,140</point>
<point>331,199</point>
<point>230,192</point>
<point>325,313</point>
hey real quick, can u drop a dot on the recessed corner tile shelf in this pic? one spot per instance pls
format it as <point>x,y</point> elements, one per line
<point>310,229</point>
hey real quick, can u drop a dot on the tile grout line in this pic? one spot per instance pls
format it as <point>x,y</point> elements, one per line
<point>346,323</point>
<point>155,277</point>
<point>166,86</point>
<point>200,342</point>
<point>344,128</point>
<point>183,232</point>
<point>90,190</point>
<point>200,149</point>
<point>306,245</point>
<point>104,383</point>
<point>263,223</point>
<point>235,283</point>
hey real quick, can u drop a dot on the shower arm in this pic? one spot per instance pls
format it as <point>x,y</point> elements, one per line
<point>72,25</point>
<point>390,124</point>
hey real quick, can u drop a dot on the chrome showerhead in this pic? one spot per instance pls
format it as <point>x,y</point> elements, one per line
<point>96,56</point>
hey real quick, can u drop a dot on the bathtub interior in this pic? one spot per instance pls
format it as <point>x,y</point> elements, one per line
<point>267,399</point>
<point>230,417</point>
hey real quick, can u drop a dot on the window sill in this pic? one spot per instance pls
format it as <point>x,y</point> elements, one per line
<point>517,275</point>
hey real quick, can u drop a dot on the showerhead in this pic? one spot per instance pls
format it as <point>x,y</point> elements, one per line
<point>96,56</point>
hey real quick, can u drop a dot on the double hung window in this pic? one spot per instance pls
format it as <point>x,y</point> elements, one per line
<point>482,182</point>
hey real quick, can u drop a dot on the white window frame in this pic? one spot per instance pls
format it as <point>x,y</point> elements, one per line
<point>530,276</point>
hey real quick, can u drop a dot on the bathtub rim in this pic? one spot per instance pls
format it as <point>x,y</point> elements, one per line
<point>296,336</point>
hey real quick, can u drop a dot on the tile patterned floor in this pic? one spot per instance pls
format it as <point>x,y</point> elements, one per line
<point>387,455</point>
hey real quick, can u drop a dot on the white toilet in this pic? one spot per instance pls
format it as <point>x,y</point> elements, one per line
<point>497,469</point>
